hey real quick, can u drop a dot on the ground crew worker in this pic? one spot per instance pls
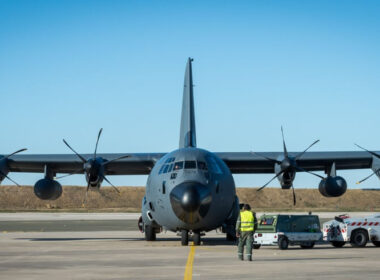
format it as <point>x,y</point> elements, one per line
<point>245,226</point>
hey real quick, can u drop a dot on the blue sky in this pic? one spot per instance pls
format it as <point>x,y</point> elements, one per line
<point>68,68</point>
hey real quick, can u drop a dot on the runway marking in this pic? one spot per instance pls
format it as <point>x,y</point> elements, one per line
<point>189,265</point>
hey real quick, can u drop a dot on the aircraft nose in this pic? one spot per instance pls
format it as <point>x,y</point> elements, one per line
<point>190,201</point>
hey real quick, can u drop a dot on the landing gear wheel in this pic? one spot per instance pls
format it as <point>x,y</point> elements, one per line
<point>184,237</point>
<point>256,246</point>
<point>150,233</point>
<point>197,238</point>
<point>376,243</point>
<point>359,238</point>
<point>338,244</point>
<point>307,245</point>
<point>283,243</point>
<point>230,237</point>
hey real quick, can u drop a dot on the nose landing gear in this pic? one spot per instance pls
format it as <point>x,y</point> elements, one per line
<point>184,237</point>
<point>196,235</point>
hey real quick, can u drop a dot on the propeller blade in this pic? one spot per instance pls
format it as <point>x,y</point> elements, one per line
<point>361,181</point>
<point>283,141</point>
<point>6,176</point>
<point>267,158</point>
<point>302,153</point>
<point>116,159</point>
<point>82,158</point>
<point>294,196</point>
<point>104,177</point>
<point>312,173</point>
<point>372,153</point>
<point>270,180</point>
<point>72,173</point>
<point>97,141</point>
<point>19,151</point>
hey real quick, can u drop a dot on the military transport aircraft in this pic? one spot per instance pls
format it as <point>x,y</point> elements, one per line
<point>189,190</point>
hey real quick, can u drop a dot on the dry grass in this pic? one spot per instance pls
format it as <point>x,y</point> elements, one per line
<point>13,198</point>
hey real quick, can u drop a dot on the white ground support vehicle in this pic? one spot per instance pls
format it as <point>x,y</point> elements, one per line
<point>285,230</point>
<point>357,231</point>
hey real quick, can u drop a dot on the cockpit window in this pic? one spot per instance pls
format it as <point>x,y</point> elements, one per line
<point>166,168</point>
<point>169,160</point>
<point>190,164</point>
<point>202,165</point>
<point>178,165</point>
<point>170,167</point>
<point>161,169</point>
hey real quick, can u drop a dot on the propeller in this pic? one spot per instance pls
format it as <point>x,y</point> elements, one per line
<point>4,159</point>
<point>288,164</point>
<point>93,167</point>
<point>377,170</point>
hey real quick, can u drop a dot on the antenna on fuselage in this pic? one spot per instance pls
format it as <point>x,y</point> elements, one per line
<point>187,137</point>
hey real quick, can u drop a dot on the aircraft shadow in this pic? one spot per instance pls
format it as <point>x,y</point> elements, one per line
<point>81,238</point>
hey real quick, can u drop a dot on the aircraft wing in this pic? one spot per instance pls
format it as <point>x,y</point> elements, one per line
<point>246,162</point>
<point>136,164</point>
<point>142,163</point>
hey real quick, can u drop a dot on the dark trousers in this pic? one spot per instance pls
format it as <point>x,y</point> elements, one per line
<point>245,239</point>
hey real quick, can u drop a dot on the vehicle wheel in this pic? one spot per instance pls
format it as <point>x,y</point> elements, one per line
<point>150,233</point>
<point>307,245</point>
<point>283,243</point>
<point>184,237</point>
<point>196,238</point>
<point>376,243</point>
<point>338,244</point>
<point>230,237</point>
<point>256,246</point>
<point>359,238</point>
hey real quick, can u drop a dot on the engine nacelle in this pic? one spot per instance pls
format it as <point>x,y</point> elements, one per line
<point>333,186</point>
<point>47,189</point>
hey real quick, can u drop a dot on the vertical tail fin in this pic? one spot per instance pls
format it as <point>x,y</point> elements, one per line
<point>187,134</point>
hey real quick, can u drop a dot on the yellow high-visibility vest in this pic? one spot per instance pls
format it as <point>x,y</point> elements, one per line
<point>247,221</point>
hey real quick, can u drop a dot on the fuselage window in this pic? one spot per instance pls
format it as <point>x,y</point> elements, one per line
<point>166,168</point>
<point>202,165</point>
<point>190,164</point>
<point>178,165</point>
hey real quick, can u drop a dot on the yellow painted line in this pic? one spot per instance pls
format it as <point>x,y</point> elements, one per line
<point>189,265</point>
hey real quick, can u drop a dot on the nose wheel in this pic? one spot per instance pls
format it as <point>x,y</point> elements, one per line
<point>197,238</point>
<point>184,237</point>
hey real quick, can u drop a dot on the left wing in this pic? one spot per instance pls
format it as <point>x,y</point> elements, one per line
<point>136,164</point>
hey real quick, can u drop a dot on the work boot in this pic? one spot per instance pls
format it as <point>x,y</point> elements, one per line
<point>249,259</point>
<point>241,257</point>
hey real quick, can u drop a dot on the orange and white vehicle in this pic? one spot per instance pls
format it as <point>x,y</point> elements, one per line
<point>357,231</point>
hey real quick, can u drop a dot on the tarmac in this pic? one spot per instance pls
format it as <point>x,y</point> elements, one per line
<point>124,254</point>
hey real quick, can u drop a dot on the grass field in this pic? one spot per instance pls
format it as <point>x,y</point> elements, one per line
<point>13,198</point>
